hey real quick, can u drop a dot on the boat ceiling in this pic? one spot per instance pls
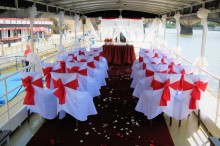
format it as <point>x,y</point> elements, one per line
<point>112,8</point>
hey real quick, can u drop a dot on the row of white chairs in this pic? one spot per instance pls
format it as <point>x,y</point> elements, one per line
<point>70,86</point>
<point>66,96</point>
<point>169,88</point>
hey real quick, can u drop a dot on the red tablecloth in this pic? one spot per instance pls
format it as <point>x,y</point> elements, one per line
<point>119,54</point>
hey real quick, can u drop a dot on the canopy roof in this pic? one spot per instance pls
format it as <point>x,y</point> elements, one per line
<point>112,8</point>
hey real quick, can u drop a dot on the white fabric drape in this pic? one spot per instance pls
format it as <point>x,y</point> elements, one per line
<point>203,14</point>
<point>177,17</point>
<point>92,28</point>
<point>152,30</point>
<point>34,59</point>
<point>76,19</point>
<point>131,29</point>
<point>164,21</point>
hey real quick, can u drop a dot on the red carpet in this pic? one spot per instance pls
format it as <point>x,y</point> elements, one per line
<point>116,124</point>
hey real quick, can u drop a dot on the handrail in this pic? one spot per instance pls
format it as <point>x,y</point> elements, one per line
<point>202,69</point>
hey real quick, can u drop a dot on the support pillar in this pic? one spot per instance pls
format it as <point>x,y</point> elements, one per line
<point>33,12</point>
<point>61,19</point>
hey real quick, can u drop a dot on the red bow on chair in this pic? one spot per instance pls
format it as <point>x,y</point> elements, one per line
<point>73,57</point>
<point>75,69</point>
<point>171,65</point>
<point>171,70</point>
<point>156,55</point>
<point>144,65</point>
<point>62,66</point>
<point>47,74</point>
<point>181,80</point>
<point>141,59</point>
<point>81,53</point>
<point>149,73</point>
<point>91,64</point>
<point>97,58</point>
<point>196,93</point>
<point>166,92</point>
<point>162,61</point>
<point>27,82</point>
<point>83,60</point>
<point>60,93</point>
<point>101,53</point>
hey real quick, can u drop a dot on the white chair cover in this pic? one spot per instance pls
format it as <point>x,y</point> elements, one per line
<point>87,83</point>
<point>47,68</point>
<point>77,103</point>
<point>179,105</point>
<point>94,72</point>
<point>149,101</point>
<point>45,103</point>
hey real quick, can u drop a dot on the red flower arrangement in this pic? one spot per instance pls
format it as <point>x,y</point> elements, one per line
<point>108,40</point>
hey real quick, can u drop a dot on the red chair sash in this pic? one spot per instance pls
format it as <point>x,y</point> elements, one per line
<point>27,82</point>
<point>181,80</point>
<point>141,59</point>
<point>47,75</point>
<point>97,58</point>
<point>75,69</point>
<point>62,67</point>
<point>101,53</point>
<point>196,93</point>
<point>162,71</point>
<point>166,92</point>
<point>149,73</point>
<point>81,53</point>
<point>83,60</point>
<point>171,70</point>
<point>73,57</point>
<point>91,64</point>
<point>144,65</point>
<point>156,55</point>
<point>60,93</point>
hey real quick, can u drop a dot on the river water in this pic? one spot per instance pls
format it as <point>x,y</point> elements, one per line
<point>191,49</point>
<point>191,46</point>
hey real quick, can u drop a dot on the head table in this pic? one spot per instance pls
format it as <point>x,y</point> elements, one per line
<point>119,54</point>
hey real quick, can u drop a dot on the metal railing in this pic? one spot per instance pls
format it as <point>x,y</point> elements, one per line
<point>212,124</point>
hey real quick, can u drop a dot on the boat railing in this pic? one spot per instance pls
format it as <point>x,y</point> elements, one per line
<point>213,106</point>
<point>12,62</point>
<point>11,98</point>
<point>42,45</point>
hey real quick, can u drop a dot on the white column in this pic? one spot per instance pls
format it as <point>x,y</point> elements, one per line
<point>203,14</point>
<point>177,17</point>
<point>33,12</point>
<point>164,21</point>
<point>61,19</point>
<point>100,27</point>
<point>76,19</point>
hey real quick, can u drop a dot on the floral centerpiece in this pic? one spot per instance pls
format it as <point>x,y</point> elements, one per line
<point>108,41</point>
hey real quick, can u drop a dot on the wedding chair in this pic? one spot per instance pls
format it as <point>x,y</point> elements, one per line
<point>187,100</point>
<point>102,65</point>
<point>47,68</point>
<point>153,101</point>
<point>100,50</point>
<point>78,104</point>
<point>38,99</point>
<point>94,72</point>
<point>80,51</point>
<point>149,71</point>
<point>86,82</point>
